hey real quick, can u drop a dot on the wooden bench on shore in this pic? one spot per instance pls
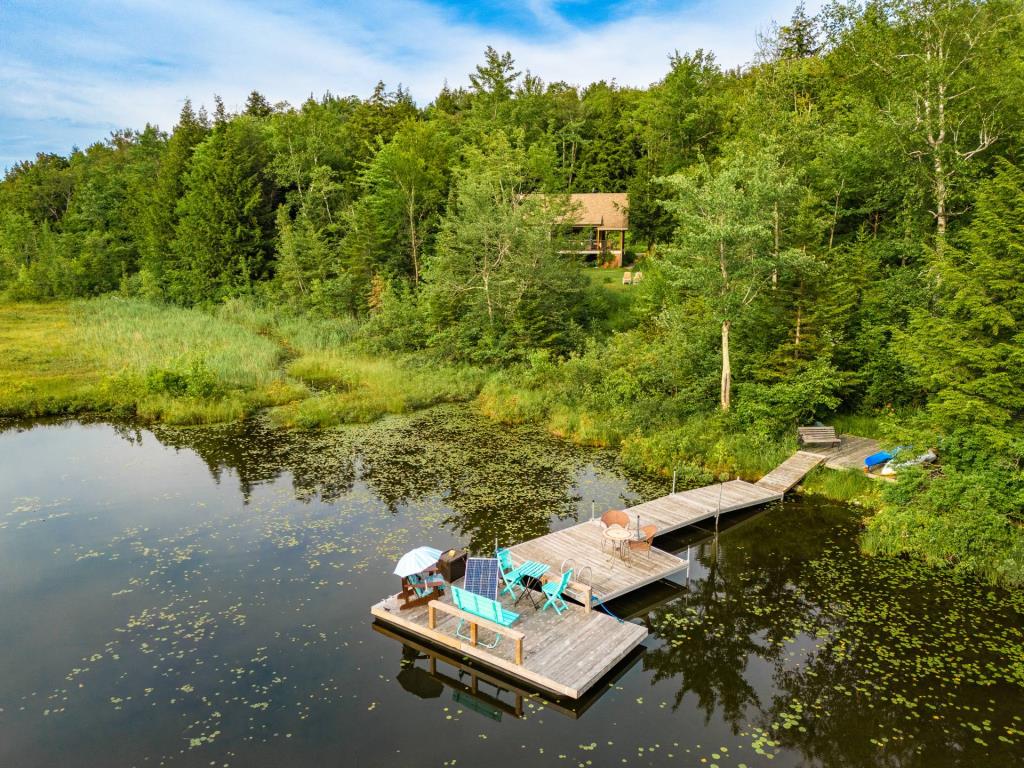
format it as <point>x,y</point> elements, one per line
<point>818,436</point>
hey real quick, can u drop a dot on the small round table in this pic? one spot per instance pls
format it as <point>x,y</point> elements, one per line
<point>618,535</point>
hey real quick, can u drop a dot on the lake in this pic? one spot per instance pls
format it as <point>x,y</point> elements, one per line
<point>200,597</point>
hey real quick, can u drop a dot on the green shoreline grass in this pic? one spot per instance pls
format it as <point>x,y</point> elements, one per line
<point>182,366</point>
<point>188,366</point>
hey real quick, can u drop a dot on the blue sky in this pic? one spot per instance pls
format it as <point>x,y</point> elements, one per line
<point>70,72</point>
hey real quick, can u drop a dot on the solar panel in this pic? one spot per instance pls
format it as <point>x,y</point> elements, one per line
<point>482,577</point>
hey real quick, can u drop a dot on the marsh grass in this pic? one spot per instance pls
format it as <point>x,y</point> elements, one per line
<point>162,363</point>
<point>356,388</point>
<point>874,425</point>
<point>847,485</point>
<point>136,337</point>
<point>299,334</point>
<point>44,370</point>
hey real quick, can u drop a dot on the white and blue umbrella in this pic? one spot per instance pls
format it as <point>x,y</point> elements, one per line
<point>417,561</point>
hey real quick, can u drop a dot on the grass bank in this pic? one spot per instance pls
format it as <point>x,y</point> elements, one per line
<point>188,366</point>
<point>354,388</point>
<point>162,363</point>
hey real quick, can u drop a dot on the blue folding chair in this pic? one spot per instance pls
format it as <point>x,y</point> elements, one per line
<point>510,575</point>
<point>553,591</point>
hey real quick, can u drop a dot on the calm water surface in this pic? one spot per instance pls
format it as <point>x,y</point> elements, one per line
<point>200,597</point>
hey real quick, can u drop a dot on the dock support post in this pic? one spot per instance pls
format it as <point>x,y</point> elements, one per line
<point>472,632</point>
<point>431,616</point>
<point>674,472</point>
<point>519,651</point>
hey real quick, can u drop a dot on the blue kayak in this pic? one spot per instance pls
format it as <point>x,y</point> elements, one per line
<point>876,459</point>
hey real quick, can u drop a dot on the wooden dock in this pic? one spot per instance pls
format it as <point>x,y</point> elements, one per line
<point>583,548</point>
<point>567,654</point>
<point>678,510</point>
<point>562,654</point>
<point>495,691</point>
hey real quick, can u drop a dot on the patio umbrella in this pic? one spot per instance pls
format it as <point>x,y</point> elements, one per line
<point>417,561</point>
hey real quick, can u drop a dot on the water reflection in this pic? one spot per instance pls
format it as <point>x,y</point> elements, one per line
<point>197,596</point>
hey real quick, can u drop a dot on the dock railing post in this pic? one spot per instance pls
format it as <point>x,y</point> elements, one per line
<point>718,512</point>
<point>674,472</point>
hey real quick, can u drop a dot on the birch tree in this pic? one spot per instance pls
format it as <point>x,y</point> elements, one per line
<point>723,254</point>
<point>934,67</point>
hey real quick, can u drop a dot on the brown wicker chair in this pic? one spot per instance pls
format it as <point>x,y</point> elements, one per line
<point>647,532</point>
<point>613,517</point>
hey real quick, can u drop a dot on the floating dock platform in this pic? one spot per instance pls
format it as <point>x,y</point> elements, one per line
<point>561,654</point>
<point>567,654</point>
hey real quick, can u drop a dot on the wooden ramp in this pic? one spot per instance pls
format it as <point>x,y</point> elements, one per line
<point>562,654</point>
<point>790,472</point>
<point>596,562</point>
<point>678,510</point>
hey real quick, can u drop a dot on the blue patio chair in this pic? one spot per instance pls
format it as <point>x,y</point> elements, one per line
<point>553,591</point>
<point>510,575</point>
<point>425,585</point>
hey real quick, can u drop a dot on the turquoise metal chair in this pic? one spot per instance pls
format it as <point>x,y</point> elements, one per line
<point>510,575</point>
<point>424,586</point>
<point>553,590</point>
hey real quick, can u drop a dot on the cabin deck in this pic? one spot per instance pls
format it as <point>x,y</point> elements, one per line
<point>563,654</point>
<point>609,575</point>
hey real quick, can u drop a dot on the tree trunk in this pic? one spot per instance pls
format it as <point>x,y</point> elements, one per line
<point>412,240</point>
<point>726,368</point>
<point>775,254</point>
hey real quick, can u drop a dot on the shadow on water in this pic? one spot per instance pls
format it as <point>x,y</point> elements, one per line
<point>197,596</point>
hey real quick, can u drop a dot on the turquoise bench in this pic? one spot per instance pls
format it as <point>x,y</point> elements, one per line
<point>484,608</point>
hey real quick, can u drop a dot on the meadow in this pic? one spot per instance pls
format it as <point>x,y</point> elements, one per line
<point>189,366</point>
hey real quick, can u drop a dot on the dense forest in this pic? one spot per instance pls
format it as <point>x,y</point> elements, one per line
<point>835,231</point>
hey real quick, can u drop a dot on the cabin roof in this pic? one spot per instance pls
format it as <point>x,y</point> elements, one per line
<point>608,210</point>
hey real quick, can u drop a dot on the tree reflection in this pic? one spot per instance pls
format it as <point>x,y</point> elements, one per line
<point>321,463</point>
<point>499,483</point>
<point>790,633</point>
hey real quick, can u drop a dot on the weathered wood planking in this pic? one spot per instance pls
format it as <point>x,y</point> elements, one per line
<point>849,454</point>
<point>679,510</point>
<point>791,471</point>
<point>610,576</point>
<point>562,654</point>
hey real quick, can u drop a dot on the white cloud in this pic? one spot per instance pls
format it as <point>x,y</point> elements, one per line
<point>136,62</point>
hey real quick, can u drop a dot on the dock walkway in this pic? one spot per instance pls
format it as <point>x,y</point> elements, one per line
<point>790,472</point>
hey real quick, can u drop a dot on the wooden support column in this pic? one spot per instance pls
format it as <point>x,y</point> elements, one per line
<point>519,651</point>
<point>472,632</point>
<point>431,616</point>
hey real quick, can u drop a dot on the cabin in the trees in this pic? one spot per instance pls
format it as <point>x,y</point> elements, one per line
<point>600,221</point>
